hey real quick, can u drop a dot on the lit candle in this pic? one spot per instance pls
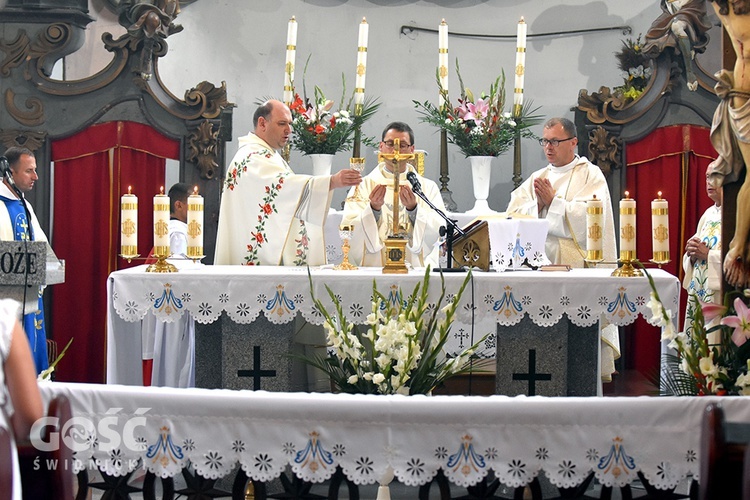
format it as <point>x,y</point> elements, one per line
<point>161,224</point>
<point>195,225</point>
<point>359,83</point>
<point>627,228</point>
<point>443,60</point>
<point>129,224</point>
<point>660,229</point>
<point>291,50</point>
<point>594,229</point>
<point>520,67</point>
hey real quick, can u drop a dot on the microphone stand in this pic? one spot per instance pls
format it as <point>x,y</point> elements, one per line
<point>449,230</point>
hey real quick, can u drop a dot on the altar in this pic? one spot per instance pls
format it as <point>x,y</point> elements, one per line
<point>238,295</point>
<point>372,439</point>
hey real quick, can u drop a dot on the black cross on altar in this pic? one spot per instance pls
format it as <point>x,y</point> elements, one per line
<point>461,335</point>
<point>532,376</point>
<point>256,372</point>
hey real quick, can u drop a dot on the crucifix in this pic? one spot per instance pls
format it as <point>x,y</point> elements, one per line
<point>395,244</point>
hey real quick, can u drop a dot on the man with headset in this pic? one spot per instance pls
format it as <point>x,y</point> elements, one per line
<point>19,176</point>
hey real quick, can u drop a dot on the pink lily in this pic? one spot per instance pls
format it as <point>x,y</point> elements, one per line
<point>477,111</point>
<point>711,311</point>
<point>740,323</point>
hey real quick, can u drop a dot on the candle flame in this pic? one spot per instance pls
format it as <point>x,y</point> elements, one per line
<point>659,194</point>
<point>195,190</point>
<point>130,189</point>
<point>161,190</point>
<point>364,20</point>
<point>521,21</point>
<point>443,21</point>
<point>627,194</point>
<point>293,20</point>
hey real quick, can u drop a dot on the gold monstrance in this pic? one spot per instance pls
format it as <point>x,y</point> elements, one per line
<point>395,244</point>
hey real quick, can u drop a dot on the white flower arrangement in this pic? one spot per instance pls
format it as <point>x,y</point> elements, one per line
<point>401,349</point>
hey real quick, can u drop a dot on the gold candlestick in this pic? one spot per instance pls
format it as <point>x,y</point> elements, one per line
<point>161,265</point>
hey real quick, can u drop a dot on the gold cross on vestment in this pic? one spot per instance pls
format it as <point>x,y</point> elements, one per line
<point>396,157</point>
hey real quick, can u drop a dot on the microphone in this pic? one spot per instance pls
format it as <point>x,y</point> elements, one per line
<point>415,184</point>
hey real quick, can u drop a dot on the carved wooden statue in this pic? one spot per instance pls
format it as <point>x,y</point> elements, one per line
<point>682,25</point>
<point>730,133</point>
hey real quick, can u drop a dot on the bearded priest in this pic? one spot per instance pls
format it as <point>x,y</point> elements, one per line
<point>269,215</point>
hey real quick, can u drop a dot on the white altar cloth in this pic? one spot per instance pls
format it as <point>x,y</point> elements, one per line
<point>466,436</point>
<point>280,293</point>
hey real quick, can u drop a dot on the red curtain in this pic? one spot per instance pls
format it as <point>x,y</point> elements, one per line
<point>672,160</point>
<point>92,170</point>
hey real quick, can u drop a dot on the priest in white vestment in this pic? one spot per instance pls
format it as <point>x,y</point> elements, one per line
<point>558,193</point>
<point>372,216</point>
<point>269,215</point>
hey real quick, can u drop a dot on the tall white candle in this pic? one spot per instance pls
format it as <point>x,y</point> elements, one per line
<point>161,224</point>
<point>129,224</point>
<point>291,50</point>
<point>520,67</point>
<point>359,83</point>
<point>660,229</point>
<point>195,225</point>
<point>594,229</point>
<point>443,60</point>
<point>627,228</point>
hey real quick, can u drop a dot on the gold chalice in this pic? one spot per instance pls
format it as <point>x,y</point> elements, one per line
<point>345,232</point>
<point>357,164</point>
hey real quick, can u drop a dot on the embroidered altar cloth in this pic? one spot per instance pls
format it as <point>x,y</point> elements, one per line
<point>164,430</point>
<point>280,293</point>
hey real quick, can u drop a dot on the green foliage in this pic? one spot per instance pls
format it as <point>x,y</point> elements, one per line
<point>479,126</point>
<point>400,350</point>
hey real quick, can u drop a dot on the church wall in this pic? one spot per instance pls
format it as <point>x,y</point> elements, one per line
<point>243,43</point>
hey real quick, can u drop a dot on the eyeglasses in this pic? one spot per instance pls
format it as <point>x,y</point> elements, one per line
<point>554,142</point>
<point>402,146</point>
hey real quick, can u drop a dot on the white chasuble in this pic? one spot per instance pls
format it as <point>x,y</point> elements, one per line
<point>574,184</point>
<point>369,234</point>
<point>269,215</point>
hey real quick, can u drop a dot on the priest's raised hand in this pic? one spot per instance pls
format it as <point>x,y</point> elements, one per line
<point>270,215</point>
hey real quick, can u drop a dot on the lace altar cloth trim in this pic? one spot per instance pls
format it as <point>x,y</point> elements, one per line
<point>280,293</point>
<point>122,428</point>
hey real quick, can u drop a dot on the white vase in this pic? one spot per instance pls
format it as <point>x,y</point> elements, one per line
<point>481,170</point>
<point>321,164</point>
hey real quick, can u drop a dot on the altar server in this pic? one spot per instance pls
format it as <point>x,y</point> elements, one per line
<point>269,215</point>
<point>173,344</point>
<point>558,193</point>
<point>372,214</point>
<point>15,212</point>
